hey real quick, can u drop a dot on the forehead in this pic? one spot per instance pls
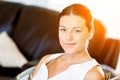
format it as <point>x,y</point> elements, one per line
<point>72,20</point>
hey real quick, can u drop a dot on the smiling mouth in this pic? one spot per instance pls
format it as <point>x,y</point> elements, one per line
<point>69,44</point>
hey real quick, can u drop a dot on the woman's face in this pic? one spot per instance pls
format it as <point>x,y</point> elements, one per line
<point>73,33</point>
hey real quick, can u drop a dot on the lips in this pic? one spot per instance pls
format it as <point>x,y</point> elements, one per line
<point>69,44</point>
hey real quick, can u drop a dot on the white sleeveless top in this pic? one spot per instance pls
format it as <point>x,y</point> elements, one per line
<point>74,72</point>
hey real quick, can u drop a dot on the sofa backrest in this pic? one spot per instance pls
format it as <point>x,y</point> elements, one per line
<point>9,16</point>
<point>110,52</point>
<point>36,33</point>
<point>34,29</point>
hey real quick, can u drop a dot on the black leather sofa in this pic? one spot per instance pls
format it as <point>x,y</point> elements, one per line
<point>34,30</point>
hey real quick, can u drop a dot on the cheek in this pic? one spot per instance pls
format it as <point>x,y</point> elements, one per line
<point>80,38</point>
<point>81,42</point>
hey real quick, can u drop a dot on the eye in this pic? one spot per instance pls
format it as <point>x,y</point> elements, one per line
<point>77,31</point>
<point>62,29</point>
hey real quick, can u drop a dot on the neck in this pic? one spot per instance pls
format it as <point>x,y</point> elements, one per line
<point>77,57</point>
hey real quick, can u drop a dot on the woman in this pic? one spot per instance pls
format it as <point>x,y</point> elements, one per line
<point>75,31</point>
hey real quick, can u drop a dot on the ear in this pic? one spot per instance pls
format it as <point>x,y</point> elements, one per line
<point>91,34</point>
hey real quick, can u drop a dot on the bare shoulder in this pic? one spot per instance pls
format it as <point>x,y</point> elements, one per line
<point>43,59</point>
<point>96,73</point>
<point>40,63</point>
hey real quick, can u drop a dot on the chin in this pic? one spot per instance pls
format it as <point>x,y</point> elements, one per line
<point>69,51</point>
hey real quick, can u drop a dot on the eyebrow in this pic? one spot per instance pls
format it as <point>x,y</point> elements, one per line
<point>65,27</point>
<point>77,27</point>
<point>62,26</point>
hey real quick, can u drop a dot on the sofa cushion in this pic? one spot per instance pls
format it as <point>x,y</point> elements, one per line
<point>10,56</point>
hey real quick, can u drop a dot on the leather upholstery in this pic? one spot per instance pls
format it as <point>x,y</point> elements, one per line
<point>36,32</point>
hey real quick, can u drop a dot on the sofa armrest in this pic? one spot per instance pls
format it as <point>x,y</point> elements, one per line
<point>9,71</point>
<point>30,64</point>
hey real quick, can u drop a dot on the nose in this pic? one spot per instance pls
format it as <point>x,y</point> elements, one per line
<point>69,36</point>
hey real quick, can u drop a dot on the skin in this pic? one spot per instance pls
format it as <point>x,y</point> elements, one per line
<point>73,37</point>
